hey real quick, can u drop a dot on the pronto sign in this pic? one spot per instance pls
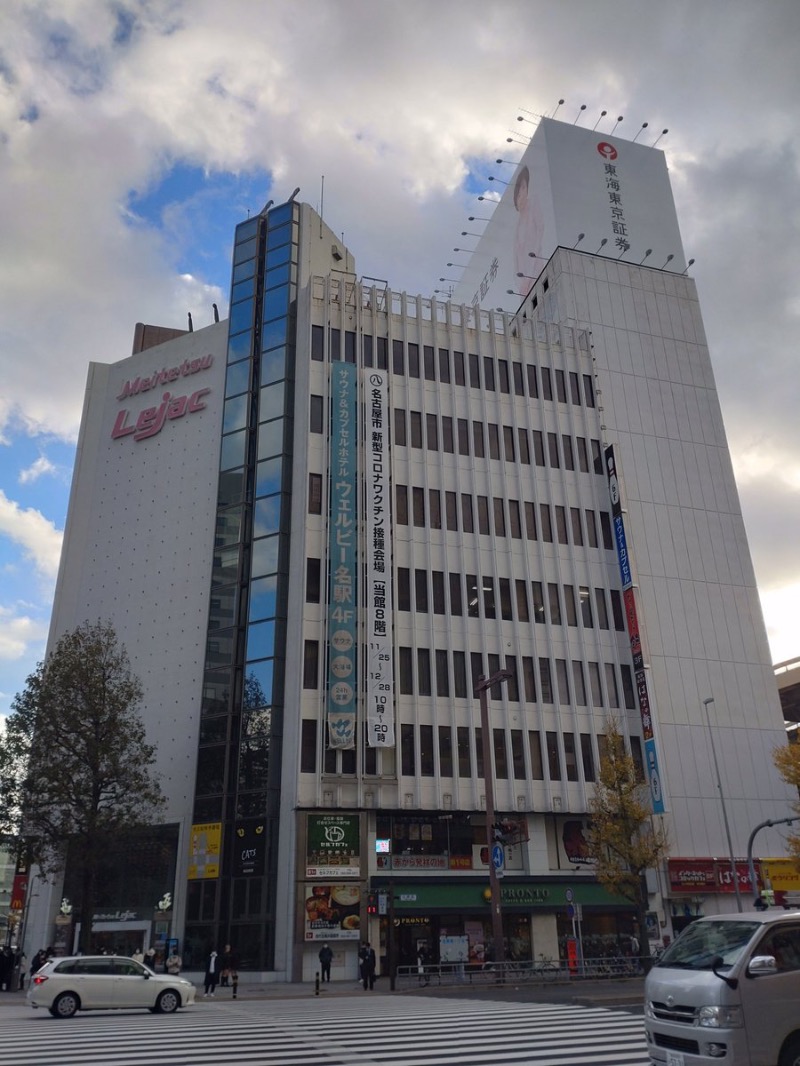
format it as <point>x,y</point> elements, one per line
<point>150,421</point>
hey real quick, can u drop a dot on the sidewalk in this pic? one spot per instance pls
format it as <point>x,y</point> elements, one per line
<point>606,993</point>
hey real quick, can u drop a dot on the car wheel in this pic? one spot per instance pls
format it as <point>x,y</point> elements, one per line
<point>168,1002</point>
<point>65,1005</point>
<point>790,1056</point>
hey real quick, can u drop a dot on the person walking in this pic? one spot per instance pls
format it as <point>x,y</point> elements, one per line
<point>325,960</point>
<point>422,965</point>
<point>23,970</point>
<point>230,969</point>
<point>150,959</point>
<point>213,968</point>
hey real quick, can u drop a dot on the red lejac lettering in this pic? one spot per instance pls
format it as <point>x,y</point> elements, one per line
<point>151,420</point>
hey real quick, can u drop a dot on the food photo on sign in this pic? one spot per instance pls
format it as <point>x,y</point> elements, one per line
<point>332,912</point>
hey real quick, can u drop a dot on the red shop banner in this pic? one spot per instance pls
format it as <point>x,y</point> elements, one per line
<point>697,876</point>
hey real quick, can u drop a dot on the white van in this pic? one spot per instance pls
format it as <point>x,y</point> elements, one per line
<point>727,991</point>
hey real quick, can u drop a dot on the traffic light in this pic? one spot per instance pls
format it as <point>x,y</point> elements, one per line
<point>372,903</point>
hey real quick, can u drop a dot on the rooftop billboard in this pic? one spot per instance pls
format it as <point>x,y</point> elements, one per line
<point>573,181</point>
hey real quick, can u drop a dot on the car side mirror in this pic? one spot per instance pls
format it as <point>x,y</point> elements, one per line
<point>761,964</point>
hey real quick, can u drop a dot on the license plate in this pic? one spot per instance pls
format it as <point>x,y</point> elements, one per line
<point>675,1058</point>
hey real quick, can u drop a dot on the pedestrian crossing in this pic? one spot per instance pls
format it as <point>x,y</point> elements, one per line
<point>379,1030</point>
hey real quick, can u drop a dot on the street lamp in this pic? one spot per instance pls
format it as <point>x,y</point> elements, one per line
<point>481,688</point>
<point>706,702</point>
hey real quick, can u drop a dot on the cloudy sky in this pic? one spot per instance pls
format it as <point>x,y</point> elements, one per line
<point>134,135</point>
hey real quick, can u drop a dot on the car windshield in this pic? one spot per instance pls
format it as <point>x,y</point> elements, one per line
<point>700,942</point>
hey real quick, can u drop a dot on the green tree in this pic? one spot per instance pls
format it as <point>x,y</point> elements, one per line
<point>622,838</point>
<point>787,761</point>
<point>76,761</point>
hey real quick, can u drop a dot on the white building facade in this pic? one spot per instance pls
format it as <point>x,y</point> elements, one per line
<point>344,505</point>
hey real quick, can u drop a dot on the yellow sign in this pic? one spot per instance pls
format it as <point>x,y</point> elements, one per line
<point>204,851</point>
<point>782,874</point>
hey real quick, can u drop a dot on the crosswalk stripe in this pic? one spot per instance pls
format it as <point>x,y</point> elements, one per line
<point>378,1030</point>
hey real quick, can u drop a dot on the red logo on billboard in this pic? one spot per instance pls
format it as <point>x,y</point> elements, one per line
<point>606,150</point>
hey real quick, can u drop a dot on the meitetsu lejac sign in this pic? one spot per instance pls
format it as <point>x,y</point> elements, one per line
<point>150,420</point>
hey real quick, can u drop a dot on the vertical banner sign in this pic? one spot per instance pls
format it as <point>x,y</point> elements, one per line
<point>632,621</point>
<point>342,544</point>
<point>380,678</point>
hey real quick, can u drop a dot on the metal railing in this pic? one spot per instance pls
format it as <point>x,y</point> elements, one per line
<point>533,971</point>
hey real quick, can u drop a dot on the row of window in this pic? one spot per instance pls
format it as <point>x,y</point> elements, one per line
<point>428,673</point>
<point>544,449</point>
<point>493,517</point>
<point>516,600</point>
<point>439,433</point>
<point>422,747</point>
<point>480,372</point>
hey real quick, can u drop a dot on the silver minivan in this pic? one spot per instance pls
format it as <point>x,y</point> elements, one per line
<point>727,991</point>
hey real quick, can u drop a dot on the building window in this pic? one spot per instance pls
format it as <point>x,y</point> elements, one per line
<point>546,523</point>
<point>611,685</point>
<point>401,504</point>
<point>499,517</point>
<point>578,683</point>
<point>315,414</point>
<point>432,433</point>
<point>421,591</point>
<point>403,588</point>
<point>308,746</point>
<point>596,684</point>
<point>456,606</point>
<point>574,388</point>
<point>569,605</point>
<point>315,493</point>
<point>602,611</point>
<point>537,592</point>
<point>535,752</point>
<point>547,384</point>
<point>553,756</point>
<point>474,371</point>
<point>563,681</point>
<point>605,526</point>
<point>561,524</point>
<point>460,674</point>
<point>502,375</point>
<point>477,440</point>
<point>528,679</point>
<point>313,580</point>
<point>426,757</point>
<point>444,365</point>
<point>530,521</point>
<point>416,428</point>
<point>616,610</point>
<point>587,757</point>
<point>500,758</point>
<point>561,386</point>
<point>489,607</point>
<point>445,751</point>
<point>424,672</point>
<point>407,759</point>
<point>519,381</point>
<point>483,515</point>
<point>586,607</point>
<point>317,344</point>
<point>494,441</point>
<point>435,504</point>
<point>515,519</point>
<point>405,671</point>
<point>473,610</point>
<point>566,447</point>
<point>570,760</point>
<point>464,756</point>
<point>458,368</point>
<point>546,680</point>
<point>555,604</point>
<point>488,374</point>
<point>413,360</point>
<point>538,447</point>
<point>638,761</point>
<point>588,390</point>
<point>442,674</point>
<point>398,358</point>
<point>467,523</point>
<point>505,599</point>
<point>311,664</point>
<point>400,438</point>
<point>591,528</point>
<point>524,446</point>
<point>597,457</point>
<point>522,600</point>
<point>627,688</point>
<point>583,455</point>
<point>533,383</point>
<point>552,448</point>
<point>451,511</point>
<point>462,426</point>
<point>447,435</point>
<point>418,499</point>
<point>429,361</point>
<point>577,529</point>
<point>439,606</point>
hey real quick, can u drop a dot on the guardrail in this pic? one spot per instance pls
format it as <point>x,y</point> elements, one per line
<point>533,971</point>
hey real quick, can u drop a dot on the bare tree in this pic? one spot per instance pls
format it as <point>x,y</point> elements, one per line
<point>76,759</point>
<point>622,838</point>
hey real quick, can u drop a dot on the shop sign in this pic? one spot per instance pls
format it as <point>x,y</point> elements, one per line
<point>412,919</point>
<point>419,862</point>
<point>204,851</point>
<point>333,845</point>
<point>250,847</point>
<point>332,912</point>
<point>709,876</point>
<point>116,916</point>
<point>524,894</point>
<point>783,875</point>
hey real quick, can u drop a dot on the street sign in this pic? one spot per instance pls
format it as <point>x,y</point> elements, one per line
<point>498,856</point>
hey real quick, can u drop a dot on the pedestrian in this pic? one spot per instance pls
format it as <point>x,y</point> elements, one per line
<point>235,983</point>
<point>37,961</point>
<point>6,969</point>
<point>23,970</point>
<point>325,960</point>
<point>213,968</point>
<point>422,965</point>
<point>174,963</point>
<point>368,963</point>
<point>138,955</point>
<point>150,959</point>
<point>230,968</point>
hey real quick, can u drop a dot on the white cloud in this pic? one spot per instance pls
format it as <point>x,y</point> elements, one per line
<point>36,470</point>
<point>18,632</point>
<point>36,535</point>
